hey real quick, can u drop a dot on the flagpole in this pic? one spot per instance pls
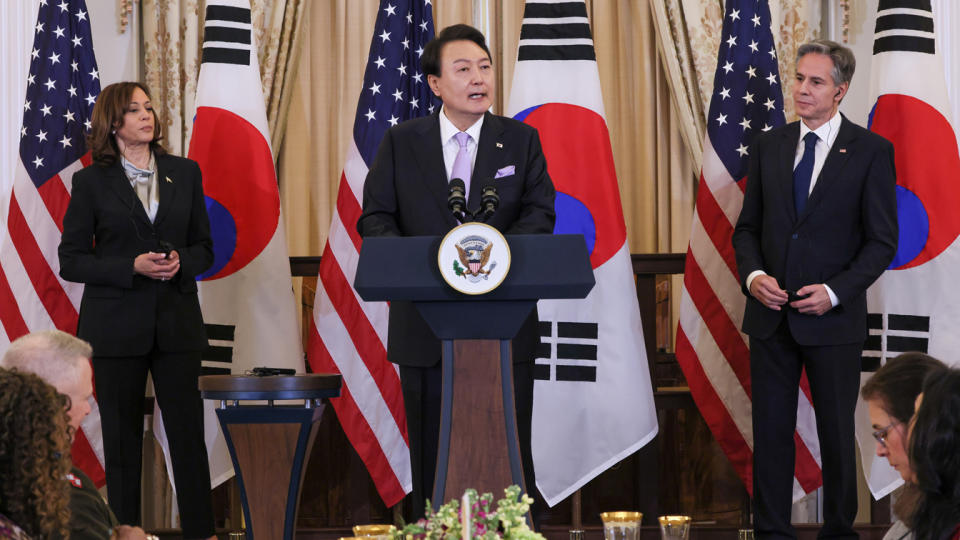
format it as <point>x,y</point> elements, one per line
<point>576,511</point>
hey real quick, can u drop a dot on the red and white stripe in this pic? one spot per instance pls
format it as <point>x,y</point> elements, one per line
<point>349,336</point>
<point>712,351</point>
<point>33,297</point>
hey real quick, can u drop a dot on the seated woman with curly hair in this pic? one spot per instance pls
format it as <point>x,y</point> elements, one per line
<point>935,457</point>
<point>34,458</point>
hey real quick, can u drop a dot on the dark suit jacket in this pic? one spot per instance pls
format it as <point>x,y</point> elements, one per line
<point>405,194</point>
<point>90,517</point>
<point>105,228</point>
<point>845,237</point>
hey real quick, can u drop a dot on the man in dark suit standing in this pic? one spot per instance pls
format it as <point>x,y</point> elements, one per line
<point>818,226</point>
<point>405,194</point>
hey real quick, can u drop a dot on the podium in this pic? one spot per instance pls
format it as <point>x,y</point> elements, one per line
<point>478,444</point>
<point>268,443</point>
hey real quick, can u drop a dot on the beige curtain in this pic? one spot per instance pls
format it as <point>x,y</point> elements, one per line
<point>680,56</point>
<point>279,39</point>
<point>654,166</point>
<point>336,40</point>
<point>795,22</point>
<point>171,44</point>
<point>172,41</point>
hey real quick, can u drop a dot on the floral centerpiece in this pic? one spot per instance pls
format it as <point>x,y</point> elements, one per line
<point>474,518</point>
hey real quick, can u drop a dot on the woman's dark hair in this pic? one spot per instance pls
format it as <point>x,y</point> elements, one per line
<point>895,387</point>
<point>430,61</point>
<point>896,384</point>
<point>111,106</point>
<point>34,455</point>
<point>935,456</point>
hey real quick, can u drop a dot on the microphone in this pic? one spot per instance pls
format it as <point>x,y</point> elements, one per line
<point>457,199</point>
<point>489,201</point>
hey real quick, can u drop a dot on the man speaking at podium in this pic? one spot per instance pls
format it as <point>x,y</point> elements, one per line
<point>406,194</point>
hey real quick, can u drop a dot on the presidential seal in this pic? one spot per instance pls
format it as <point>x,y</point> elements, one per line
<point>474,258</point>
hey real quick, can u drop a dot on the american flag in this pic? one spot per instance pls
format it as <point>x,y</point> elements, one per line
<point>713,353</point>
<point>62,85</point>
<point>349,336</point>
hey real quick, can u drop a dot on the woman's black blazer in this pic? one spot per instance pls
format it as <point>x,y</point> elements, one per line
<point>105,228</point>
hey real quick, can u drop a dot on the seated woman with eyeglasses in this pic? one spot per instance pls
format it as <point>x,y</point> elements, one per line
<point>934,450</point>
<point>890,395</point>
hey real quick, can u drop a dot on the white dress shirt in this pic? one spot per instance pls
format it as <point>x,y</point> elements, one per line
<point>451,147</point>
<point>826,135</point>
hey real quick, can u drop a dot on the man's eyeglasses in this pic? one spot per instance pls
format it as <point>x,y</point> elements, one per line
<point>881,434</point>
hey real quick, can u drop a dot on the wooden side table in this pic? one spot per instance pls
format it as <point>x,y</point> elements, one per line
<point>268,442</point>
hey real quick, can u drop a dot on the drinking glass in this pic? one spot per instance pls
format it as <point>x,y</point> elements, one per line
<point>675,527</point>
<point>371,532</point>
<point>621,525</point>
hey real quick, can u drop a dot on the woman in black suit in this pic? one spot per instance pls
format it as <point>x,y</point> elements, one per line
<point>136,234</point>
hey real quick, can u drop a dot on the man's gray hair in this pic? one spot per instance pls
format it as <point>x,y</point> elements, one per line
<point>844,63</point>
<point>54,356</point>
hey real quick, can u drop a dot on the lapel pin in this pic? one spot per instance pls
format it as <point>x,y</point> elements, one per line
<point>499,145</point>
<point>167,178</point>
<point>843,150</point>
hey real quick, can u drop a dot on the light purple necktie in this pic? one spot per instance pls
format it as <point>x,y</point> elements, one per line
<point>461,165</point>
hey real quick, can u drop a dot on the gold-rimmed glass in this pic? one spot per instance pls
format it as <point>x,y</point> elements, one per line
<point>376,531</point>
<point>621,525</point>
<point>675,527</point>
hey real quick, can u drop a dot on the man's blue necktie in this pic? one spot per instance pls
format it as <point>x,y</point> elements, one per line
<point>804,172</point>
